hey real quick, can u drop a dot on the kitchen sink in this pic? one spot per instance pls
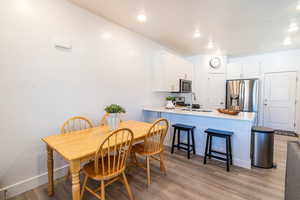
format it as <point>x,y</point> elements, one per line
<point>202,110</point>
<point>196,110</point>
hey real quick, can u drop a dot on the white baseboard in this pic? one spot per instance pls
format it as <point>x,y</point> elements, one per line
<point>33,182</point>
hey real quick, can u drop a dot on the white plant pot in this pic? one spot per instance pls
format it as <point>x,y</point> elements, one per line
<point>113,121</point>
<point>170,105</point>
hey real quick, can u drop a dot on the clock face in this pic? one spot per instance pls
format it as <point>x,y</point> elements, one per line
<point>215,62</point>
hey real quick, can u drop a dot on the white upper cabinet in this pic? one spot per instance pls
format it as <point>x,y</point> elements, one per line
<point>167,70</point>
<point>172,74</point>
<point>234,71</point>
<point>243,70</point>
<point>184,68</point>
<point>159,73</point>
<point>216,88</point>
<point>251,70</point>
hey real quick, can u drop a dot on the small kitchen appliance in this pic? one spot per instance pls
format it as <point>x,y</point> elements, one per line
<point>185,86</point>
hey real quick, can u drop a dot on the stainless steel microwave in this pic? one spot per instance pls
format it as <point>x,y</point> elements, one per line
<point>185,86</point>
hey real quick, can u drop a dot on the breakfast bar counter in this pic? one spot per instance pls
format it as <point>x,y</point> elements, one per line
<point>245,116</point>
<point>203,119</point>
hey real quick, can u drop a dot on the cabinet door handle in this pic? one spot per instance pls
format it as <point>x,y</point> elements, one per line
<point>222,103</point>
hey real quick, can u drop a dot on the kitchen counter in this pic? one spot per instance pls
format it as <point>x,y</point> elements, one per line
<point>240,124</point>
<point>245,116</point>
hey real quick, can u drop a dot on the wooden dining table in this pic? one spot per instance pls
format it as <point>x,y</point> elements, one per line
<point>80,146</point>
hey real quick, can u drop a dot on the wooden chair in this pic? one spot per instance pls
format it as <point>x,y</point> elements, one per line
<point>110,163</point>
<point>75,124</point>
<point>103,120</point>
<point>152,145</point>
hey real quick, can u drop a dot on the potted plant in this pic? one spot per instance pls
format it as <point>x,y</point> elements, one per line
<point>170,104</point>
<point>113,118</point>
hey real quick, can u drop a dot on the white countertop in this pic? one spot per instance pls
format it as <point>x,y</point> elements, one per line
<point>244,116</point>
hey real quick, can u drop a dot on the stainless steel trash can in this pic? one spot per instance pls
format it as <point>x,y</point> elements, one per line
<point>262,147</point>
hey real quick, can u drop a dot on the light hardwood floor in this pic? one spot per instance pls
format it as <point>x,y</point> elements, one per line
<point>189,180</point>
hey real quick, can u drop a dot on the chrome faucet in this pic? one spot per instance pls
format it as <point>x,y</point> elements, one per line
<point>193,97</point>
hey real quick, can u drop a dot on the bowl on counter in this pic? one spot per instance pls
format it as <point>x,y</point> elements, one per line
<point>228,111</point>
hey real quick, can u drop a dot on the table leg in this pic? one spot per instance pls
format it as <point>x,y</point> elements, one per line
<point>50,171</point>
<point>75,169</point>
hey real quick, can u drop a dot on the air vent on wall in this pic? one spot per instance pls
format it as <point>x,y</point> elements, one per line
<point>63,44</point>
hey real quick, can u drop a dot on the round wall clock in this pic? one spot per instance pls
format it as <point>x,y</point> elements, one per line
<point>215,62</point>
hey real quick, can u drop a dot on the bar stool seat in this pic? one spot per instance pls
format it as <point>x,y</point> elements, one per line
<point>219,132</point>
<point>180,145</point>
<point>184,126</point>
<point>211,153</point>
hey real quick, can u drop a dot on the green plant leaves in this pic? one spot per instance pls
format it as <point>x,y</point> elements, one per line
<point>169,98</point>
<point>114,108</point>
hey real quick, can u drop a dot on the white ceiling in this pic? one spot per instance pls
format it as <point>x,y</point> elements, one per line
<point>237,27</point>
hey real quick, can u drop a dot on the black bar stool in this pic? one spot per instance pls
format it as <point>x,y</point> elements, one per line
<point>180,145</point>
<point>208,149</point>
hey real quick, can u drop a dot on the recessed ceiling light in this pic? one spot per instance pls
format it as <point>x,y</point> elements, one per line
<point>293,27</point>
<point>197,34</point>
<point>298,6</point>
<point>106,36</point>
<point>287,41</point>
<point>210,45</point>
<point>142,18</point>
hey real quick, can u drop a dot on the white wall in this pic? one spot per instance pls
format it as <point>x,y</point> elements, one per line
<point>275,62</point>
<point>41,86</point>
<point>201,74</point>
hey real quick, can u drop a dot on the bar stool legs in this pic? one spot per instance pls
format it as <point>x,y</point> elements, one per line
<point>210,153</point>
<point>193,142</point>
<point>210,145</point>
<point>178,139</point>
<point>188,146</point>
<point>230,150</point>
<point>190,139</point>
<point>173,141</point>
<point>206,149</point>
<point>227,154</point>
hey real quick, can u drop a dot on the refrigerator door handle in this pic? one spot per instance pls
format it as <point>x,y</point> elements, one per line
<point>242,96</point>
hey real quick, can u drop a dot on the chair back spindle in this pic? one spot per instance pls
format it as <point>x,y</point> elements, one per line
<point>113,152</point>
<point>75,124</point>
<point>103,121</point>
<point>155,137</point>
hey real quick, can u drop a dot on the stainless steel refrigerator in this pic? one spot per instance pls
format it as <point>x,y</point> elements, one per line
<point>242,95</point>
